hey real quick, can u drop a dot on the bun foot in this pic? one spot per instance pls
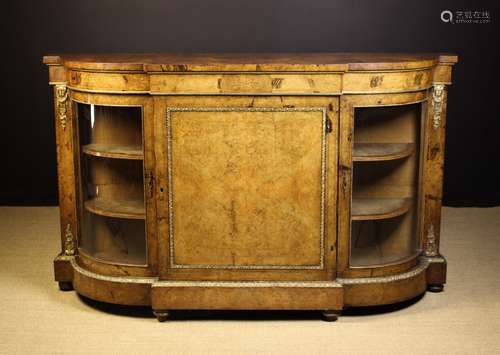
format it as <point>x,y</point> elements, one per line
<point>435,287</point>
<point>162,316</point>
<point>330,315</point>
<point>65,286</point>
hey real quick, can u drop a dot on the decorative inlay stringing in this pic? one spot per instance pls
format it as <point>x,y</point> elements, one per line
<point>421,267</point>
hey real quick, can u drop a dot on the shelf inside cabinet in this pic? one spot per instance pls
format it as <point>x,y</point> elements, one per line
<point>381,151</point>
<point>132,208</point>
<point>136,258</point>
<point>374,256</point>
<point>114,151</point>
<point>365,209</point>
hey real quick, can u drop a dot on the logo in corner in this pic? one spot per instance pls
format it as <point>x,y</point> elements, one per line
<point>466,16</point>
<point>447,16</point>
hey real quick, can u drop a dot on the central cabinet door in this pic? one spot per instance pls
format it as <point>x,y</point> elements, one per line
<point>247,187</point>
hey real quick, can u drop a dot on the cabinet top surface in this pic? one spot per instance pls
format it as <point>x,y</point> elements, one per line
<point>158,62</point>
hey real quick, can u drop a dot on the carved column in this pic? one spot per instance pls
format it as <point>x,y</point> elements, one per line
<point>432,184</point>
<point>433,171</point>
<point>66,172</point>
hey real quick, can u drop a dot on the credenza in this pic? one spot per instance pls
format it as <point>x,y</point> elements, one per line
<point>300,181</point>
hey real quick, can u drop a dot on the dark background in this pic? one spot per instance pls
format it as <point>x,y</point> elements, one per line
<point>33,28</point>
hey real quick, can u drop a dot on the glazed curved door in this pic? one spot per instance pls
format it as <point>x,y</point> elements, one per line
<point>249,185</point>
<point>116,205</point>
<point>381,190</point>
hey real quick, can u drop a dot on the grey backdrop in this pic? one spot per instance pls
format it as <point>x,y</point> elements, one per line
<point>33,28</point>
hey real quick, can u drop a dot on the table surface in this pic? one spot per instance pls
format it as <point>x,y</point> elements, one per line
<point>249,61</point>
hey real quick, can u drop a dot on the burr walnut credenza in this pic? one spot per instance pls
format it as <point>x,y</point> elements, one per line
<point>250,181</point>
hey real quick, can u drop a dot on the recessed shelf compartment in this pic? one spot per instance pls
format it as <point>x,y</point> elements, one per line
<point>116,151</point>
<point>384,241</point>
<point>365,209</point>
<point>381,151</point>
<point>111,131</point>
<point>120,258</point>
<point>132,208</point>
<point>384,208</point>
<point>112,184</point>
<point>115,240</point>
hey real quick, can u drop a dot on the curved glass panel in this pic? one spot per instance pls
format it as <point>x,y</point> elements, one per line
<point>385,193</point>
<point>112,184</point>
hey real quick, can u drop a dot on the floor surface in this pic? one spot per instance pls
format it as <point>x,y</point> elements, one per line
<point>35,317</point>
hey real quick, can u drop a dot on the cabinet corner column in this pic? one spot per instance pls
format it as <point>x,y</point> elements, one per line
<point>65,137</point>
<point>435,124</point>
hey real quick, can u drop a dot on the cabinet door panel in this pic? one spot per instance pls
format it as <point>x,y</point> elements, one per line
<point>248,186</point>
<point>380,193</point>
<point>116,203</point>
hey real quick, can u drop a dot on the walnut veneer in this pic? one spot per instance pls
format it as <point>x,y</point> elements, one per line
<point>250,181</point>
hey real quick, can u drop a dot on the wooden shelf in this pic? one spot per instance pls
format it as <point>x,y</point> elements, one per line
<point>373,256</point>
<point>132,209</point>
<point>114,151</point>
<point>366,209</point>
<point>381,151</point>
<point>121,258</point>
